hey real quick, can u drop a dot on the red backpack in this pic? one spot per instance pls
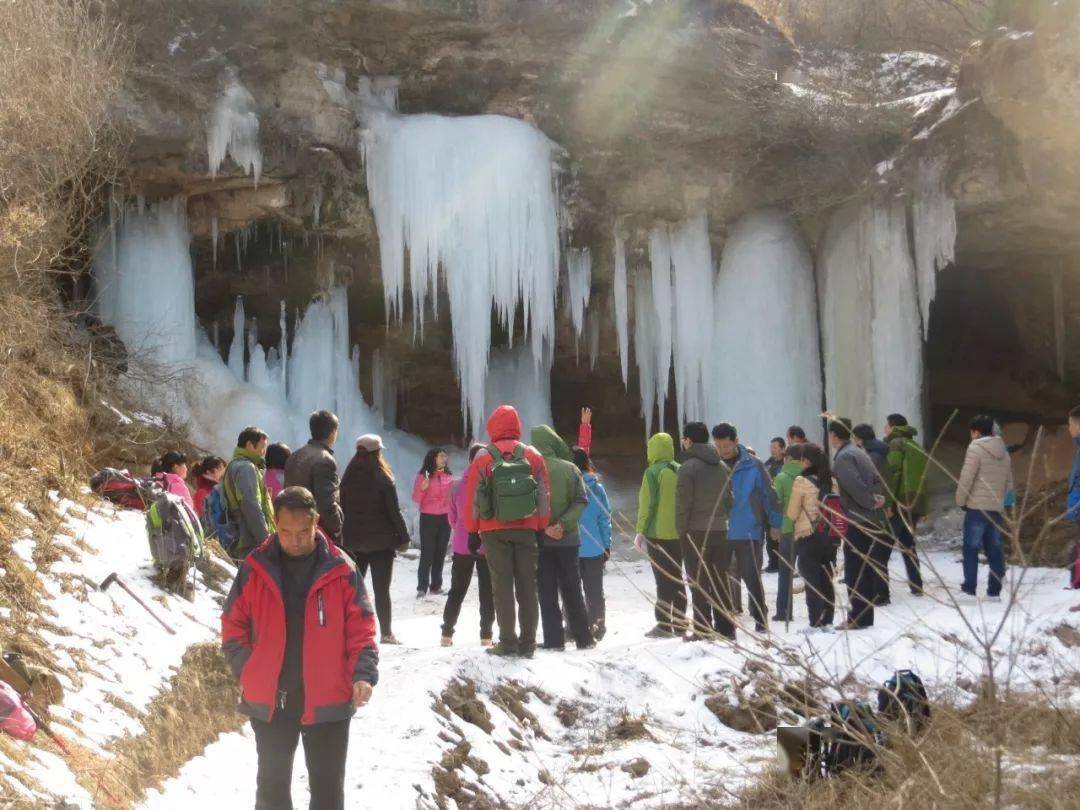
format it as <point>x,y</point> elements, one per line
<point>124,489</point>
<point>832,520</point>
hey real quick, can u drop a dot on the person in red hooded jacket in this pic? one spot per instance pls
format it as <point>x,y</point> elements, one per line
<point>299,633</point>
<point>510,546</point>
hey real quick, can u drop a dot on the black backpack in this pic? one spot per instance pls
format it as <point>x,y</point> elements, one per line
<point>903,697</point>
<point>853,741</point>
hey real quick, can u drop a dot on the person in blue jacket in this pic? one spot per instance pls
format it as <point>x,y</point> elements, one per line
<point>594,529</point>
<point>753,512</point>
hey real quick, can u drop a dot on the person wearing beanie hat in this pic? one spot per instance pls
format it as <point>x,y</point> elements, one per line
<point>369,442</point>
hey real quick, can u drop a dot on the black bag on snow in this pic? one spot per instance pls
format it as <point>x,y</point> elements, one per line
<point>903,697</point>
<point>854,737</point>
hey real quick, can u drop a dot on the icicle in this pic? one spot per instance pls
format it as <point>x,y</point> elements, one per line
<point>870,314</point>
<point>518,377</point>
<point>764,371</point>
<point>472,195</point>
<point>645,348</point>
<point>236,348</point>
<point>622,314</point>
<point>579,285</point>
<point>593,332</point>
<point>236,242</point>
<point>214,239</point>
<point>316,207</point>
<point>934,228</point>
<point>233,130</point>
<point>692,347</point>
<point>283,352</point>
<point>215,336</point>
<point>663,312</point>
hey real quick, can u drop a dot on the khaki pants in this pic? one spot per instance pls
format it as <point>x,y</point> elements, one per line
<point>511,557</point>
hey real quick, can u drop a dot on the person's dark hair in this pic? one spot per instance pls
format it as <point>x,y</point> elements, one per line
<point>475,448</point>
<point>697,432</point>
<point>818,460</point>
<point>863,432</point>
<point>322,425</point>
<point>778,440</point>
<point>840,428</point>
<point>725,430</point>
<point>295,499</point>
<point>896,420</point>
<point>982,424</point>
<point>582,459</point>
<point>168,462</point>
<point>250,435</point>
<point>794,452</point>
<point>796,432</point>
<point>276,456</point>
<point>429,462</point>
<point>207,464</point>
<point>1075,413</point>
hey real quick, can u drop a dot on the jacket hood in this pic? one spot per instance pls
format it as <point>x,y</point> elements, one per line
<point>706,453</point>
<point>792,468</point>
<point>903,432</point>
<point>992,445</point>
<point>661,447</point>
<point>504,424</point>
<point>877,445</point>
<point>549,443</point>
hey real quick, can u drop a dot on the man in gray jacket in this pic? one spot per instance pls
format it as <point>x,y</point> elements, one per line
<point>863,499</point>
<point>702,496</point>
<point>314,468</point>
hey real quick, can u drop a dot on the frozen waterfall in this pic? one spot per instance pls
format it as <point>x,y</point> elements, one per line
<point>622,314</point>
<point>764,370</point>
<point>475,196</point>
<point>520,379</point>
<point>233,130</point>
<point>871,329</point>
<point>933,214</point>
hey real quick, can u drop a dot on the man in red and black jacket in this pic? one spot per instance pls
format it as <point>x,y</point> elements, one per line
<point>299,633</point>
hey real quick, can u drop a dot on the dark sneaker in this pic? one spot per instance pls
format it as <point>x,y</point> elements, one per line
<point>599,631</point>
<point>503,650</point>
<point>660,632</point>
<point>588,645</point>
<point>555,647</point>
<point>779,618</point>
<point>761,628</point>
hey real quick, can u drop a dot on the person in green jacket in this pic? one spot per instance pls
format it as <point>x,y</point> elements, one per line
<point>907,487</point>
<point>782,483</point>
<point>557,570</point>
<point>247,499</point>
<point>658,536</point>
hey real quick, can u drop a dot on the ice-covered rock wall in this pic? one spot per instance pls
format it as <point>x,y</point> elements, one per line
<point>871,327</point>
<point>933,214</point>
<point>233,130</point>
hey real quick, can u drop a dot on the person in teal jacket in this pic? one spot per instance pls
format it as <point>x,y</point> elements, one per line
<point>658,536</point>
<point>782,483</point>
<point>594,528</point>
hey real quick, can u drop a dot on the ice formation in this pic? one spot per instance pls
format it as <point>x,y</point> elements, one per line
<point>763,369</point>
<point>622,314</point>
<point>475,196</point>
<point>644,348</point>
<point>693,352</point>
<point>517,377</point>
<point>934,226</point>
<point>579,286</point>
<point>147,293</point>
<point>871,331</point>
<point>233,130</point>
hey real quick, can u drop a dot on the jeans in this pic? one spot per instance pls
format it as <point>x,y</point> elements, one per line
<point>325,748</point>
<point>982,531</point>
<point>381,564</point>
<point>558,574</point>
<point>903,527</point>
<point>787,573</point>
<point>592,583</point>
<point>461,571</point>
<point>817,563</point>
<point>512,558</point>
<point>666,557</point>
<point>434,538</point>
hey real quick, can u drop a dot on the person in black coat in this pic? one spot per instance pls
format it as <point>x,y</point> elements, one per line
<point>373,530</point>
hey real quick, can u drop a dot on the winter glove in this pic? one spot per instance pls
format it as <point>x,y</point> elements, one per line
<point>641,544</point>
<point>475,544</point>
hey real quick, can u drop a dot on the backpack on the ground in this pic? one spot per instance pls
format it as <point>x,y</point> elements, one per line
<point>123,489</point>
<point>854,739</point>
<point>215,518</point>
<point>903,697</point>
<point>174,533</point>
<point>510,492</point>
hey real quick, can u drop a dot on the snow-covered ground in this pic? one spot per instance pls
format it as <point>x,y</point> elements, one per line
<point>573,751</point>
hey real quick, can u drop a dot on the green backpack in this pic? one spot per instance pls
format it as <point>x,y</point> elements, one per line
<point>510,492</point>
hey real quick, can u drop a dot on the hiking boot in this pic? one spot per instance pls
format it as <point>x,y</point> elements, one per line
<point>436,591</point>
<point>504,650</point>
<point>695,637</point>
<point>588,645</point>
<point>447,641</point>
<point>389,638</point>
<point>525,650</point>
<point>851,625</point>
<point>555,647</point>
<point>761,628</point>
<point>599,631</point>
<point>779,618</point>
<point>660,632</point>
<point>421,594</point>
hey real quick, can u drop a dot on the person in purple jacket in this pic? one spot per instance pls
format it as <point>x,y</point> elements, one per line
<point>468,554</point>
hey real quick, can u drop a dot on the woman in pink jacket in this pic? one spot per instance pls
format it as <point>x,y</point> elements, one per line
<point>171,472</point>
<point>468,554</point>
<point>431,492</point>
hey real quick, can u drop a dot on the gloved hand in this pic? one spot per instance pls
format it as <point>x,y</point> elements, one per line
<point>641,544</point>
<point>475,544</point>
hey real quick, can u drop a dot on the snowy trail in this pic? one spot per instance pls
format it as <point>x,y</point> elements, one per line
<point>396,741</point>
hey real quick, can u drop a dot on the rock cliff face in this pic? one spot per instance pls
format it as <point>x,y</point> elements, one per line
<point>660,109</point>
